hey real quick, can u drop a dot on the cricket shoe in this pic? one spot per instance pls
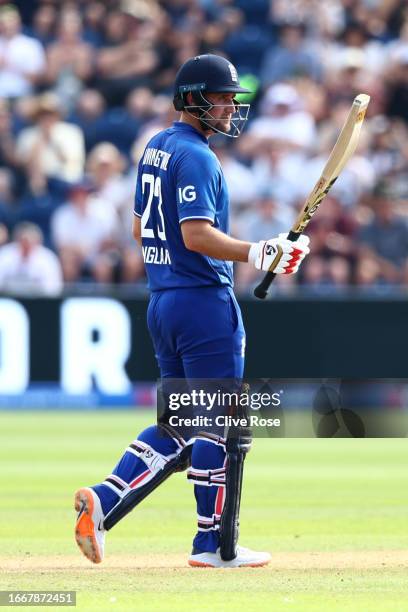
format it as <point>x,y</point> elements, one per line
<point>245,558</point>
<point>89,531</point>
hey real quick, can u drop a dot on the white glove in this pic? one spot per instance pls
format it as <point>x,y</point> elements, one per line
<point>279,255</point>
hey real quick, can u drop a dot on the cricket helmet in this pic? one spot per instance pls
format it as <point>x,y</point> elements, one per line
<point>209,74</point>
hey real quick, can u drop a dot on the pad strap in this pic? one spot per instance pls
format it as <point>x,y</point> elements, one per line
<point>207,478</point>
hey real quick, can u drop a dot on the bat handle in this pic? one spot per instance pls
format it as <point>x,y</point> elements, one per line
<point>261,290</point>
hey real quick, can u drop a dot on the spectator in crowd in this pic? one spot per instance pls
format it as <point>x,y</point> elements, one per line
<point>27,267</point>
<point>43,24</point>
<point>105,167</point>
<point>385,151</point>
<point>349,77</point>
<point>242,187</point>
<point>51,146</point>
<point>7,145</point>
<point>7,204</point>
<point>314,274</point>
<point>339,272</point>
<point>22,58</point>
<point>397,103</point>
<point>113,63</point>
<point>283,120</point>
<point>39,202</point>
<point>122,125</point>
<point>291,58</point>
<point>128,57</point>
<point>355,41</point>
<point>90,116</point>
<point>325,276</point>
<point>83,232</point>
<point>94,16</point>
<point>239,35</point>
<point>368,272</point>
<point>331,15</point>
<point>333,231</point>
<point>385,237</point>
<point>357,178</point>
<point>70,59</point>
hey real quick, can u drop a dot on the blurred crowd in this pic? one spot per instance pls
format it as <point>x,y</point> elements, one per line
<point>85,84</point>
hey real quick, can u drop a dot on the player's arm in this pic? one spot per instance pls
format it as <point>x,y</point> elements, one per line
<point>197,189</point>
<point>200,236</point>
<point>278,254</point>
<point>136,229</point>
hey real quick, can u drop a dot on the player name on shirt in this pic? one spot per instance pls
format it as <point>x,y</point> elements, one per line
<point>156,255</point>
<point>156,157</point>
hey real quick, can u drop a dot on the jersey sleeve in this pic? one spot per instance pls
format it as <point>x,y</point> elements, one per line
<point>197,186</point>
<point>137,209</point>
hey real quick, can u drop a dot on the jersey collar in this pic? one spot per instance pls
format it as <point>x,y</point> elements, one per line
<point>186,127</point>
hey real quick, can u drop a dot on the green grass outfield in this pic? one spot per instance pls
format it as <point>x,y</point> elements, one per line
<point>334,514</point>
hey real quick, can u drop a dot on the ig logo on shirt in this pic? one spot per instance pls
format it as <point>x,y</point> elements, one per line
<point>187,194</point>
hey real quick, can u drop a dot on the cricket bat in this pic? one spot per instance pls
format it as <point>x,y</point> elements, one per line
<point>341,153</point>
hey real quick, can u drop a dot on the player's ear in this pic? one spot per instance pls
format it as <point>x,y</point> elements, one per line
<point>189,99</point>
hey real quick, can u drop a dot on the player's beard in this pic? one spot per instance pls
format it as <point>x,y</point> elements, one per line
<point>222,125</point>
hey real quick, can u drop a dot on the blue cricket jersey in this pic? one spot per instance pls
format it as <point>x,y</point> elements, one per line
<point>180,178</point>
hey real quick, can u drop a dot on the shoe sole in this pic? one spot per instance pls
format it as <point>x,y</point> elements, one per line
<point>193,563</point>
<point>85,527</point>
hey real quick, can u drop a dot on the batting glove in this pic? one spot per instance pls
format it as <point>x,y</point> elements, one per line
<point>279,255</point>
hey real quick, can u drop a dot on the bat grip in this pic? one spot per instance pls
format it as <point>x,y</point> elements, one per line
<point>261,290</point>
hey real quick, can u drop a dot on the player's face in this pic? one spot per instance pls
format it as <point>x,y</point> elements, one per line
<point>222,110</point>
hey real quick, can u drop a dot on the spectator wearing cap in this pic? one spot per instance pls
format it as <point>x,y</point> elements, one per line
<point>27,267</point>
<point>51,146</point>
<point>278,140</point>
<point>83,232</point>
<point>22,58</point>
<point>283,119</point>
<point>105,166</point>
<point>349,76</point>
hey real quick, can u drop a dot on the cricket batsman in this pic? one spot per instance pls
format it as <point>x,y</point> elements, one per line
<point>181,222</point>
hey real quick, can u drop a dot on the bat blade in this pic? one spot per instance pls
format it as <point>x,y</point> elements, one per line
<point>342,151</point>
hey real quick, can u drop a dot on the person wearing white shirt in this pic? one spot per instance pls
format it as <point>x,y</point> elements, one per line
<point>52,147</point>
<point>22,58</point>
<point>27,267</point>
<point>283,119</point>
<point>84,233</point>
